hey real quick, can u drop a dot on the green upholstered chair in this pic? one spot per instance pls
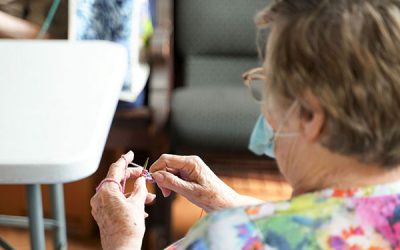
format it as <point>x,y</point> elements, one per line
<point>212,114</point>
<point>202,48</point>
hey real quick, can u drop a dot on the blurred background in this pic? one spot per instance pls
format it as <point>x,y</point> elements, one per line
<point>183,94</point>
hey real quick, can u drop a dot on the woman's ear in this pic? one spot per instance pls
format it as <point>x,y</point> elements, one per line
<point>312,118</point>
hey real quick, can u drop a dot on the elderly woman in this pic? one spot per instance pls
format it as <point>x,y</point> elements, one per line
<point>331,100</point>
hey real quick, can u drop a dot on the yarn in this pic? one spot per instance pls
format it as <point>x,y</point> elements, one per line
<point>108,180</point>
<point>147,175</point>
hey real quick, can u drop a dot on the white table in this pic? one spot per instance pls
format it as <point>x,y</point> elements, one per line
<point>57,101</point>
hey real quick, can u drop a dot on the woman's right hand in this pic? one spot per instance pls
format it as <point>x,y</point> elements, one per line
<point>192,178</point>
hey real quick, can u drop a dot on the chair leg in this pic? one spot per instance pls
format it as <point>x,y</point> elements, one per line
<point>4,245</point>
<point>57,206</point>
<point>35,213</point>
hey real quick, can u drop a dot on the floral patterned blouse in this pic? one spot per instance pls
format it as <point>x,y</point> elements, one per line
<point>363,218</point>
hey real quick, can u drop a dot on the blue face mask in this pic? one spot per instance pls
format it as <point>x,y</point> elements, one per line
<point>262,138</point>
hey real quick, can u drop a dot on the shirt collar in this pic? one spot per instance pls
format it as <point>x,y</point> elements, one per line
<point>389,188</point>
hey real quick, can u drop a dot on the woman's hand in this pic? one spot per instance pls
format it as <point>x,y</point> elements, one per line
<point>192,178</point>
<point>121,219</point>
<point>14,27</point>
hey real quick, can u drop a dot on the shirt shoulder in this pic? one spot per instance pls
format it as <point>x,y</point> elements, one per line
<point>242,227</point>
<point>311,221</point>
<point>225,229</point>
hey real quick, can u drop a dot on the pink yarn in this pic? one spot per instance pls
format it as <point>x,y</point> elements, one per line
<point>121,188</point>
<point>108,180</point>
<point>145,173</point>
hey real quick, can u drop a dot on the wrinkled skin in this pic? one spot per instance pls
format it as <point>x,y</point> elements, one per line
<point>192,178</point>
<point>121,219</point>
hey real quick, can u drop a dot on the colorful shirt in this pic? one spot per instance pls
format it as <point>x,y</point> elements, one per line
<point>363,218</point>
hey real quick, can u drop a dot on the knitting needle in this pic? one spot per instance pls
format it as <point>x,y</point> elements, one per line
<point>147,162</point>
<point>135,165</point>
<point>145,172</point>
<point>138,166</point>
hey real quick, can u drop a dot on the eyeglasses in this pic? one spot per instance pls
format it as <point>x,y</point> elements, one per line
<point>254,79</point>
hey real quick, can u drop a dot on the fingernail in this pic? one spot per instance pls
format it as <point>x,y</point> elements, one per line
<point>157,176</point>
<point>152,195</point>
<point>164,193</point>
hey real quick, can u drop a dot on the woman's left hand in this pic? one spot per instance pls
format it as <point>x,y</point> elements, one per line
<point>121,219</point>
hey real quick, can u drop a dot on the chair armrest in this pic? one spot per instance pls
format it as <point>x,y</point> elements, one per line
<point>161,60</point>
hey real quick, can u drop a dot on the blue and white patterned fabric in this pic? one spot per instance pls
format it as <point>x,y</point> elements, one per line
<point>106,20</point>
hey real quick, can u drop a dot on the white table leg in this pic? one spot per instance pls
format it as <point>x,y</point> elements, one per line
<point>35,213</point>
<point>57,206</point>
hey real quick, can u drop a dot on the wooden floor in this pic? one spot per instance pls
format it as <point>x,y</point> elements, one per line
<point>19,239</point>
<point>183,216</point>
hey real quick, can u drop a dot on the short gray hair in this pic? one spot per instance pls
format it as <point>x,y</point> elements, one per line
<point>347,54</point>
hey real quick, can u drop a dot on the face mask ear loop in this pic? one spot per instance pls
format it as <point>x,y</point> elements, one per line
<point>293,134</point>
<point>285,119</point>
<point>277,133</point>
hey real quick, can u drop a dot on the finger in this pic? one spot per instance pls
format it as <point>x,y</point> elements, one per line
<point>166,192</point>
<point>117,169</point>
<point>133,173</point>
<point>139,193</point>
<point>170,162</point>
<point>150,198</point>
<point>169,181</point>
